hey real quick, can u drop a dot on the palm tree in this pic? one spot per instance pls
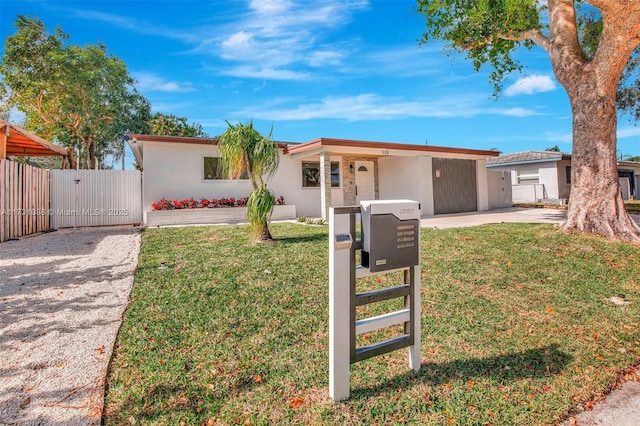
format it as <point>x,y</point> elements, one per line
<point>245,151</point>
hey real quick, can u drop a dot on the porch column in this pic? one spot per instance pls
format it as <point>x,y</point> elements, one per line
<point>325,184</point>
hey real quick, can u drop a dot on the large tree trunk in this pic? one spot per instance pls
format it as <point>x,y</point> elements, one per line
<point>596,204</point>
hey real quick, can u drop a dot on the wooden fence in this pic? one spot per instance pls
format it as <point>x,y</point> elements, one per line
<point>24,200</point>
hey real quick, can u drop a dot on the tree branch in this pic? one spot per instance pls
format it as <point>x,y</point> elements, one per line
<point>533,34</point>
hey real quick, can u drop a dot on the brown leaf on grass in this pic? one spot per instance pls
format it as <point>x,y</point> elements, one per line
<point>211,421</point>
<point>491,414</point>
<point>550,310</point>
<point>209,386</point>
<point>257,379</point>
<point>26,402</point>
<point>296,403</point>
<point>471,383</point>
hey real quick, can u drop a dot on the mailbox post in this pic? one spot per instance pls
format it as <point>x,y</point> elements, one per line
<point>390,243</point>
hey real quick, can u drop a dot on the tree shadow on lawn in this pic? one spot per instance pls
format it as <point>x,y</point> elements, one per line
<point>531,363</point>
<point>302,239</point>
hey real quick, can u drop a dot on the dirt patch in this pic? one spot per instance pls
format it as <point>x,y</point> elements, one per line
<point>62,296</point>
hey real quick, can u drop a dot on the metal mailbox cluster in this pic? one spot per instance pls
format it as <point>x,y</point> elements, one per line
<point>390,243</point>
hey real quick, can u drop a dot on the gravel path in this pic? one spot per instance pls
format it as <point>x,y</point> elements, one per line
<point>62,296</point>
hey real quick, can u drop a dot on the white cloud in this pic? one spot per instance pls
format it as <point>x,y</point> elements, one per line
<point>531,84</point>
<point>151,82</point>
<point>249,71</point>
<point>517,112</point>
<point>240,40</point>
<point>280,35</point>
<point>370,106</point>
<point>321,58</point>
<point>629,132</point>
<point>269,6</point>
<point>559,137</point>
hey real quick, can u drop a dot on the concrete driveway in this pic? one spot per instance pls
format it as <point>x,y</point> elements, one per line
<point>509,215</point>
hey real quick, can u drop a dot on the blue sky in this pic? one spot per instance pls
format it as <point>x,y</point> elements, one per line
<point>348,69</point>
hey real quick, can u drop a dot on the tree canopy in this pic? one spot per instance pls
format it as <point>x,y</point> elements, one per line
<point>171,125</point>
<point>490,33</point>
<point>80,97</point>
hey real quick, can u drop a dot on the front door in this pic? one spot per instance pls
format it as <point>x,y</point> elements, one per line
<point>365,189</point>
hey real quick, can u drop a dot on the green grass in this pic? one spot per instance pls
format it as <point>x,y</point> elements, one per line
<point>517,329</point>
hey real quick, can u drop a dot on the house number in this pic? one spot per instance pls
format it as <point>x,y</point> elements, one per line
<point>385,151</point>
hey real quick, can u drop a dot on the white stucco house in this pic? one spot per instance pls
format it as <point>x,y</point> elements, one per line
<point>545,176</point>
<point>325,172</point>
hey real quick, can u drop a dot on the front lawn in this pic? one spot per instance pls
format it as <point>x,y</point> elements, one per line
<point>517,328</point>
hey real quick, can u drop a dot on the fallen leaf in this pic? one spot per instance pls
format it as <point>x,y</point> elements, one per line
<point>550,310</point>
<point>471,383</point>
<point>100,349</point>
<point>26,402</point>
<point>257,379</point>
<point>211,421</point>
<point>296,403</point>
<point>209,386</point>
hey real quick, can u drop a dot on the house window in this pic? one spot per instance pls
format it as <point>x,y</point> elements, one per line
<point>568,172</point>
<point>528,177</point>
<point>213,169</point>
<point>311,174</point>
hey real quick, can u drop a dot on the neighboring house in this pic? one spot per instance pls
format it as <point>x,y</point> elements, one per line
<point>546,176</point>
<point>322,173</point>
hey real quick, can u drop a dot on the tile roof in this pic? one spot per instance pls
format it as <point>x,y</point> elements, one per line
<point>527,157</point>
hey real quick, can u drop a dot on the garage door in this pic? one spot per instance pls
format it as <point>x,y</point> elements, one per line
<point>454,186</point>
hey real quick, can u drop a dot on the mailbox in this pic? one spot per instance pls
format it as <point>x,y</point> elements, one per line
<point>390,234</point>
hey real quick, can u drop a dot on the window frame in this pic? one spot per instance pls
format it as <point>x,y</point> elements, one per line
<point>335,171</point>
<point>218,171</point>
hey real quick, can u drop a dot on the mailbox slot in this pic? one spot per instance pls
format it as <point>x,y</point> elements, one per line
<point>390,234</point>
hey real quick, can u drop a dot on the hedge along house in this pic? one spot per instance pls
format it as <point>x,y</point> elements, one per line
<point>325,172</point>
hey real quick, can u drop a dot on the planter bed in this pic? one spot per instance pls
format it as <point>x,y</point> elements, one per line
<point>215,215</point>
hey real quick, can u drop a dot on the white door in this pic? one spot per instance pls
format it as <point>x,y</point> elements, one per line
<point>364,181</point>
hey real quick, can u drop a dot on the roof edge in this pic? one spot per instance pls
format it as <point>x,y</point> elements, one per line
<point>388,145</point>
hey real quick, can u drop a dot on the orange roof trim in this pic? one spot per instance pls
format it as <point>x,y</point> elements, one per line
<point>183,139</point>
<point>20,142</point>
<point>387,145</point>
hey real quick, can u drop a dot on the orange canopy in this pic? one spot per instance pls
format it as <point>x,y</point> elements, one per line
<point>17,141</point>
